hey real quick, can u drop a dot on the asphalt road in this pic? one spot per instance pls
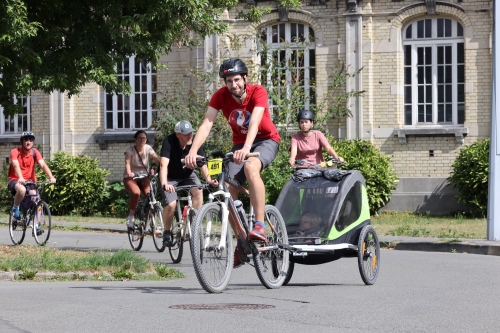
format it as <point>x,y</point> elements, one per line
<point>415,292</point>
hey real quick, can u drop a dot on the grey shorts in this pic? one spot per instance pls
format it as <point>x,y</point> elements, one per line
<point>11,186</point>
<point>268,150</point>
<point>168,197</point>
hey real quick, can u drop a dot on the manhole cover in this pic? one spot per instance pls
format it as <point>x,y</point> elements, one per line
<point>222,306</point>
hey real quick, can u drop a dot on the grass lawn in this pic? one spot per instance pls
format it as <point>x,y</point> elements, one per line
<point>421,225</point>
<point>31,262</point>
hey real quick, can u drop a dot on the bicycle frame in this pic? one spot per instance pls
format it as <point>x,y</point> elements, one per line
<point>33,200</point>
<point>150,199</point>
<point>224,198</point>
<point>186,227</point>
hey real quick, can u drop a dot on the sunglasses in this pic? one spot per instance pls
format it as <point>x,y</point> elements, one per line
<point>29,139</point>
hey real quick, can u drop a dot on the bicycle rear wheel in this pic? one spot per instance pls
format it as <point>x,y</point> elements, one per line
<point>156,224</point>
<point>211,255</point>
<point>272,265</point>
<point>42,223</point>
<point>136,235</point>
<point>17,230</point>
<point>177,248</point>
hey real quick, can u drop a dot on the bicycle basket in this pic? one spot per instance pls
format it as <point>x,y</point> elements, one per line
<point>214,166</point>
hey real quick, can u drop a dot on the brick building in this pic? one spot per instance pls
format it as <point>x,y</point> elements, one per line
<point>426,73</point>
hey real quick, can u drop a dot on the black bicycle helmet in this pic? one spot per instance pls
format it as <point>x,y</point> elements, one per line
<point>27,135</point>
<point>232,66</point>
<point>305,114</point>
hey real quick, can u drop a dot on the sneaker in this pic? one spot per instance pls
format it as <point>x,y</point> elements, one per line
<point>237,262</point>
<point>130,222</point>
<point>257,234</point>
<point>167,239</point>
<point>38,231</point>
<point>15,213</point>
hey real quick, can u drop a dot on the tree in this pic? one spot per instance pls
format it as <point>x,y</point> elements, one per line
<point>50,45</point>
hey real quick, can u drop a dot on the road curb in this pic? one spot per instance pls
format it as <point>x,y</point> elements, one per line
<point>450,247</point>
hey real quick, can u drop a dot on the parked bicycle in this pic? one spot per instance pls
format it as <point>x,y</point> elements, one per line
<point>212,243</point>
<point>182,221</point>
<point>35,214</point>
<point>148,210</point>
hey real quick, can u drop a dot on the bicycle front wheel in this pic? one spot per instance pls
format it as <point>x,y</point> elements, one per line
<point>177,248</point>
<point>272,265</point>
<point>42,223</point>
<point>17,230</point>
<point>211,254</point>
<point>156,224</point>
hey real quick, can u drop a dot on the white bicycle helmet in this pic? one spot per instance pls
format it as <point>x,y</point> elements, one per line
<point>27,134</point>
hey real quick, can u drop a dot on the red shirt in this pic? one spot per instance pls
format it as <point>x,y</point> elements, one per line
<point>238,115</point>
<point>26,163</point>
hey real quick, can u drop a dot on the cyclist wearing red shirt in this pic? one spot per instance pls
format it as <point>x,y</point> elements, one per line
<point>22,169</point>
<point>246,109</point>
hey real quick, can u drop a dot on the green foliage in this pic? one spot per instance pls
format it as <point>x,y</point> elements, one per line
<point>116,202</point>
<point>28,274</point>
<point>179,104</point>
<point>81,185</point>
<point>288,94</point>
<point>470,176</point>
<point>375,167</point>
<point>64,44</point>
<point>6,198</point>
<point>166,272</point>
<point>277,174</point>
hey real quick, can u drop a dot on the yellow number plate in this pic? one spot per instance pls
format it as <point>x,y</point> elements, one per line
<point>215,166</point>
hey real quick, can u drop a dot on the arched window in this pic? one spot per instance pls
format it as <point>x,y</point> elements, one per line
<point>434,72</point>
<point>20,122</point>
<point>137,110</point>
<point>289,57</point>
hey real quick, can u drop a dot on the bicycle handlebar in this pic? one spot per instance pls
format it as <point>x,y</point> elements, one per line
<point>37,185</point>
<point>200,161</point>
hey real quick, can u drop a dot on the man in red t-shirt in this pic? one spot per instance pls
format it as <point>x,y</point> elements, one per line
<point>246,109</point>
<point>22,169</point>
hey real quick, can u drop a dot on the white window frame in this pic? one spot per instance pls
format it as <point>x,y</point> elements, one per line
<point>17,121</point>
<point>433,42</point>
<point>293,46</point>
<point>128,111</point>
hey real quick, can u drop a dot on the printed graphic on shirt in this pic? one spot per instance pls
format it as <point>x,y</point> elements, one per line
<point>240,118</point>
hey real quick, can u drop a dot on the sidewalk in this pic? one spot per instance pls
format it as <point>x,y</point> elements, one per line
<point>472,246</point>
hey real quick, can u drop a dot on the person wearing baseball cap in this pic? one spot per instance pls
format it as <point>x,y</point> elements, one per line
<point>184,127</point>
<point>173,173</point>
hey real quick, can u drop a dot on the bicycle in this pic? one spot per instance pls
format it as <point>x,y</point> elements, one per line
<point>182,221</point>
<point>150,210</point>
<point>212,244</point>
<point>35,214</point>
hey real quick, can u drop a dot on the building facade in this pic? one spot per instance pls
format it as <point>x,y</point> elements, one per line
<point>426,73</point>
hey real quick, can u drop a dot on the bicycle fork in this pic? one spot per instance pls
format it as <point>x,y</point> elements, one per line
<point>225,217</point>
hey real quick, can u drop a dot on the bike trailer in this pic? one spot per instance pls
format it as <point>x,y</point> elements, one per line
<point>341,204</point>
